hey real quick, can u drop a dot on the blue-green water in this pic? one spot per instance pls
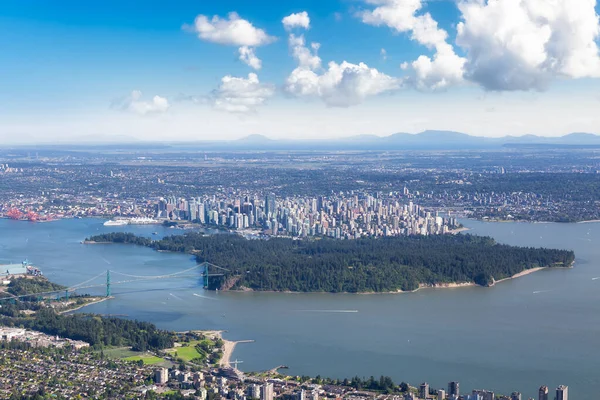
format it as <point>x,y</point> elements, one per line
<point>543,328</point>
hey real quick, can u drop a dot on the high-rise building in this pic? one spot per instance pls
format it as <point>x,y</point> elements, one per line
<point>253,391</point>
<point>424,390</point>
<point>161,376</point>
<point>454,389</point>
<point>266,391</point>
<point>484,394</point>
<point>515,396</point>
<point>270,209</point>
<point>562,392</point>
<point>441,394</point>
<point>543,393</point>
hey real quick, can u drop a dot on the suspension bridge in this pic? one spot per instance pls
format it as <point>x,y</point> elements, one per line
<point>207,269</point>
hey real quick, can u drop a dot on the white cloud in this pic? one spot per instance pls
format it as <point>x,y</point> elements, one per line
<point>232,30</point>
<point>522,44</point>
<point>298,20</point>
<point>248,56</point>
<point>383,54</point>
<point>241,95</point>
<point>341,85</point>
<point>441,71</point>
<point>306,57</point>
<point>135,104</point>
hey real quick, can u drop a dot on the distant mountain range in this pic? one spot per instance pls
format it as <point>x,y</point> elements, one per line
<point>426,140</point>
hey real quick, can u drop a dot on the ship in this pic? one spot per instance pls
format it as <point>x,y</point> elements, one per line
<point>116,222</point>
<point>131,221</point>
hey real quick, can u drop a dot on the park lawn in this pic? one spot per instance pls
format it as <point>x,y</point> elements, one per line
<point>188,353</point>
<point>148,359</point>
<point>120,352</point>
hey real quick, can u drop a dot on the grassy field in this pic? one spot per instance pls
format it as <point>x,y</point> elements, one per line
<point>188,351</point>
<point>148,359</point>
<point>125,353</point>
<point>120,352</point>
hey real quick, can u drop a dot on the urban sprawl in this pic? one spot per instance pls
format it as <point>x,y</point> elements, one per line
<point>70,368</point>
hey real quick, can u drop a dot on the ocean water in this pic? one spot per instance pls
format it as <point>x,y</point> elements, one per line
<point>541,329</point>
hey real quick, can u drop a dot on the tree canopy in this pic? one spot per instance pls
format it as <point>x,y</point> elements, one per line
<point>356,266</point>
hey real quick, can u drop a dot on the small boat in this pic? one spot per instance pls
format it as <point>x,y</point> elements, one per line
<point>155,233</point>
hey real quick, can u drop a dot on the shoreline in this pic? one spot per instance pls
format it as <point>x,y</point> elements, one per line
<point>520,274</point>
<point>228,345</point>
<point>459,230</point>
<point>85,305</point>
<point>422,286</point>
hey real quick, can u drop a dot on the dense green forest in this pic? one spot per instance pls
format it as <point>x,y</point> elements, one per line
<point>363,265</point>
<point>21,286</point>
<point>97,331</point>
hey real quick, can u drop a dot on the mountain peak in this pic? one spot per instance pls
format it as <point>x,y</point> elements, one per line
<point>255,138</point>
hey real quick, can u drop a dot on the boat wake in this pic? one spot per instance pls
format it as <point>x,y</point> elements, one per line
<point>330,311</point>
<point>204,297</point>
<point>541,291</point>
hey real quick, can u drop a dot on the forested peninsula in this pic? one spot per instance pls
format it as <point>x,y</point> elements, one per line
<point>355,266</point>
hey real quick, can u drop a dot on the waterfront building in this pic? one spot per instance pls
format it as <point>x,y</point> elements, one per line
<point>562,392</point>
<point>453,387</point>
<point>543,393</point>
<point>515,396</point>
<point>424,390</point>
<point>441,394</point>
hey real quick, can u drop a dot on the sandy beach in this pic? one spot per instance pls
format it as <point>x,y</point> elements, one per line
<point>228,346</point>
<point>520,274</point>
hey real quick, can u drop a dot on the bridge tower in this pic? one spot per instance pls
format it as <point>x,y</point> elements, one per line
<point>206,275</point>
<point>107,283</point>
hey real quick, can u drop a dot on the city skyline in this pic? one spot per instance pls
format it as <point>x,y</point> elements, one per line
<point>297,70</point>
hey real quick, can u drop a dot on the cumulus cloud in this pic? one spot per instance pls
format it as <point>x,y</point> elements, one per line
<point>248,57</point>
<point>232,30</point>
<point>341,85</point>
<point>306,57</point>
<point>441,71</point>
<point>522,44</point>
<point>134,103</point>
<point>241,95</point>
<point>298,20</point>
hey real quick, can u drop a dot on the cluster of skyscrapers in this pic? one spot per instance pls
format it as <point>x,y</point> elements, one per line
<point>345,215</point>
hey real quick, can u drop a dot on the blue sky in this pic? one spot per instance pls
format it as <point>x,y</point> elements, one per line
<point>71,69</point>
